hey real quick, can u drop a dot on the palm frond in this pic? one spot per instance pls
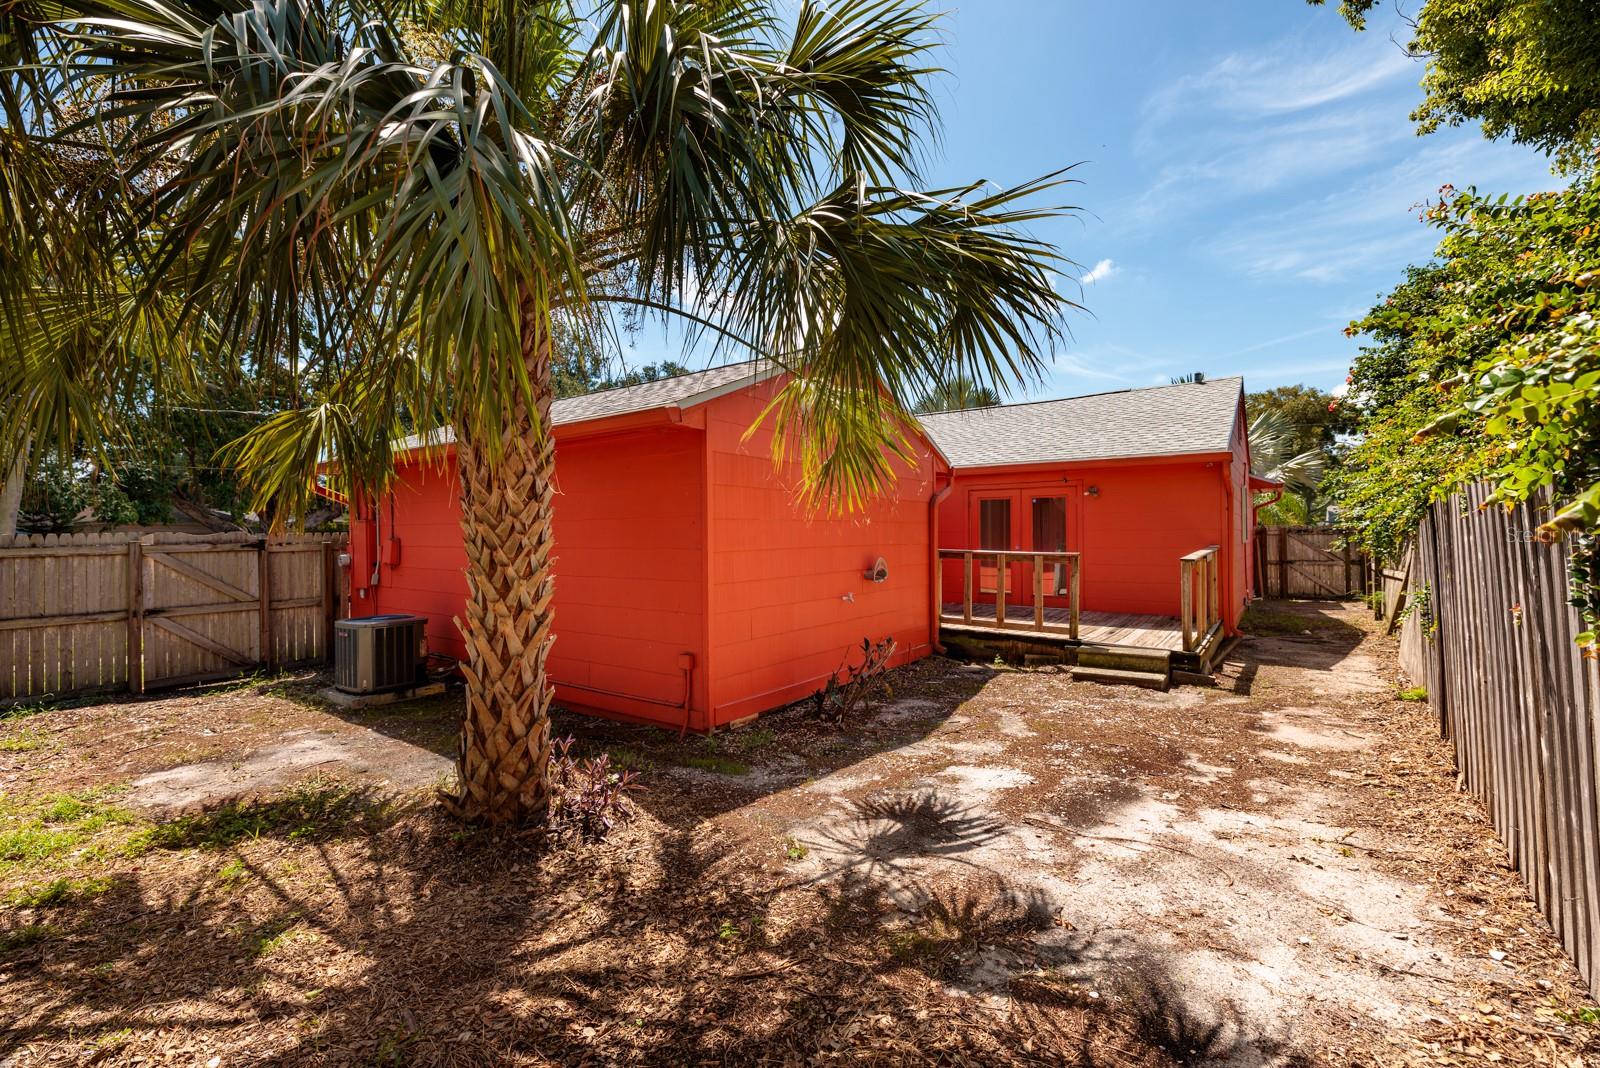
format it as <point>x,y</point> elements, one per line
<point>1274,445</point>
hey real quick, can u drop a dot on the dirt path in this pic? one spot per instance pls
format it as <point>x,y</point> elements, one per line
<point>997,866</point>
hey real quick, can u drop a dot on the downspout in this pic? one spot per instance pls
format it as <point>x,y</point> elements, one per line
<point>1257,569</point>
<point>935,609</point>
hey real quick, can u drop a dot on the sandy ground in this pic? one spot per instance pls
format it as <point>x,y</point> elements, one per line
<point>994,866</point>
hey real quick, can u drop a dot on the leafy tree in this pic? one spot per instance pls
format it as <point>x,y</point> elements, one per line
<point>448,193</point>
<point>1314,415</point>
<point>1386,481</point>
<point>1296,420</point>
<point>954,394</point>
<point>1486,364</point>
<point>1525,69</point>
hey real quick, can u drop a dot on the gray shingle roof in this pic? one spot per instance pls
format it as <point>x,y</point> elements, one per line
<point>685,391</point>
<point>1192,417</point>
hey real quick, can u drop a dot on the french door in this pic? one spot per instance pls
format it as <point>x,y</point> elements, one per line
<point>1020,521</point>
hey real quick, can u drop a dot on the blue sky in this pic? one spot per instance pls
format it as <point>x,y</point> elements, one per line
<point>1249,175</point>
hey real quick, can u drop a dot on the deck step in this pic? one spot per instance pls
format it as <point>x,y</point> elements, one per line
<point>1155,661</point>
<point>1116,677</point>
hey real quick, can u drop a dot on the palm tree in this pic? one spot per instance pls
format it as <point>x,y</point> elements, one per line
<point>1274,440</point>
<point>954,394</point>
<point>457,182</point>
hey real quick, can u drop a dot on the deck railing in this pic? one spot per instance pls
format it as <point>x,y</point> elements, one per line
<point>1061,567</point>
<point>1199,597</point>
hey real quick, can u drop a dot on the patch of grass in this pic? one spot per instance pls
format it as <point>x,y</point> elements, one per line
<point>268,939</point>
<point>42,831</point>
<point>1587,1015</point>
<point>63,808</point>
<point>112,1039</point>
<point>719,764</point>
<point>313,810</point>
<point>630,759</point>
<point>23,937</point>
<point>1268,621</point>
<point>24,711</point>
<point>233,873</point>
<point>1414,693</point>
<point>752,738</point>
<point>31,843</point>
<point>911,947</point>
<point>1259,620</point>
<point>24,741</point>
<point>57,892</point>
<point>793,849</point>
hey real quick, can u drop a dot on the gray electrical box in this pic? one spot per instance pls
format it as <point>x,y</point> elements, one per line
<point>376,654</point>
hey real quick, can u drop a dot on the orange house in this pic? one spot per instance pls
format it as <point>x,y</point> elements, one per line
<point>691,588</point>
<point>1138,491</point>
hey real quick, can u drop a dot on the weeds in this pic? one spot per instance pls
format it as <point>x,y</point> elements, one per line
<point>233,873</point>
<point>57,892</point>
<point>793,849</point>
<point>24,741</point>
<point>23,937</point>
<point>753,738</point>
<point>1415,693</point>
<point>721,765</point>
<point>312,810</point>
<point>851,685</point>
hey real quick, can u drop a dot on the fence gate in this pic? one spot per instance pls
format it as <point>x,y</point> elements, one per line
<point>1307,562</point>
<point>102,612</point>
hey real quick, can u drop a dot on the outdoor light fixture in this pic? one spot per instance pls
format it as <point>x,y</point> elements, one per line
<point>1091,491</point>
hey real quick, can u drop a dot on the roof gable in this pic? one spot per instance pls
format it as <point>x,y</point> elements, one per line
<point>682,391</point>
<point>1176,420</point>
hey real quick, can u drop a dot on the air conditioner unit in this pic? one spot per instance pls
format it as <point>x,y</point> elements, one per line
<point>376,654</point>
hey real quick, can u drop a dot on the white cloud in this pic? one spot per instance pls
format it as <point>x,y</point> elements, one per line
<point>1372,222</point>
<point>1103,269</point>
<point>1248,125</point>
<point>1290,79</point>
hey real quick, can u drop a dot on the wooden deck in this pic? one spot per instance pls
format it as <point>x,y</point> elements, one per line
<point>1095,628</point>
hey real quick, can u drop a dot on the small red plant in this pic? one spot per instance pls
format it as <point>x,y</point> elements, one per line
<point>589,796</point>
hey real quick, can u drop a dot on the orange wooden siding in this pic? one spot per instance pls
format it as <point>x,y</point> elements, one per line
<point>677,539</point>
<point>630,565</point>
<point>780,622</point>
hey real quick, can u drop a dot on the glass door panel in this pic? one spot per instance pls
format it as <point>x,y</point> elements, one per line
<point>994,533</point>
<point>1050,536</point>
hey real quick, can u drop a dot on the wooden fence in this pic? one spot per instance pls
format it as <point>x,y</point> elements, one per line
<point>88,613</point>
<point>1307,562</point>
<point>1489,633</point>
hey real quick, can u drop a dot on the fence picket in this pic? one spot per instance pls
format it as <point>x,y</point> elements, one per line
<point>1516,698</point>
<point>85,613</point>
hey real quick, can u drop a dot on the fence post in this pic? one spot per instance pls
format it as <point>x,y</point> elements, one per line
<point>264,591</point>
<point>1283,561</point>
<point>136,616</point>
<point>330,597</point>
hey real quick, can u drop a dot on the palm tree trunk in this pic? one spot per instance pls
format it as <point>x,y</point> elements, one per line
<point>11,491</point>
<point>504,758</point>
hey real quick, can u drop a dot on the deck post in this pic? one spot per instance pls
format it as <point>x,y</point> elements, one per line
<point>1186,602</point>
<point>1000,590</point>
<point>966,579</point>
<point>1038,591</point>
<point>1072,610</point>
<point>1213,591</point>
